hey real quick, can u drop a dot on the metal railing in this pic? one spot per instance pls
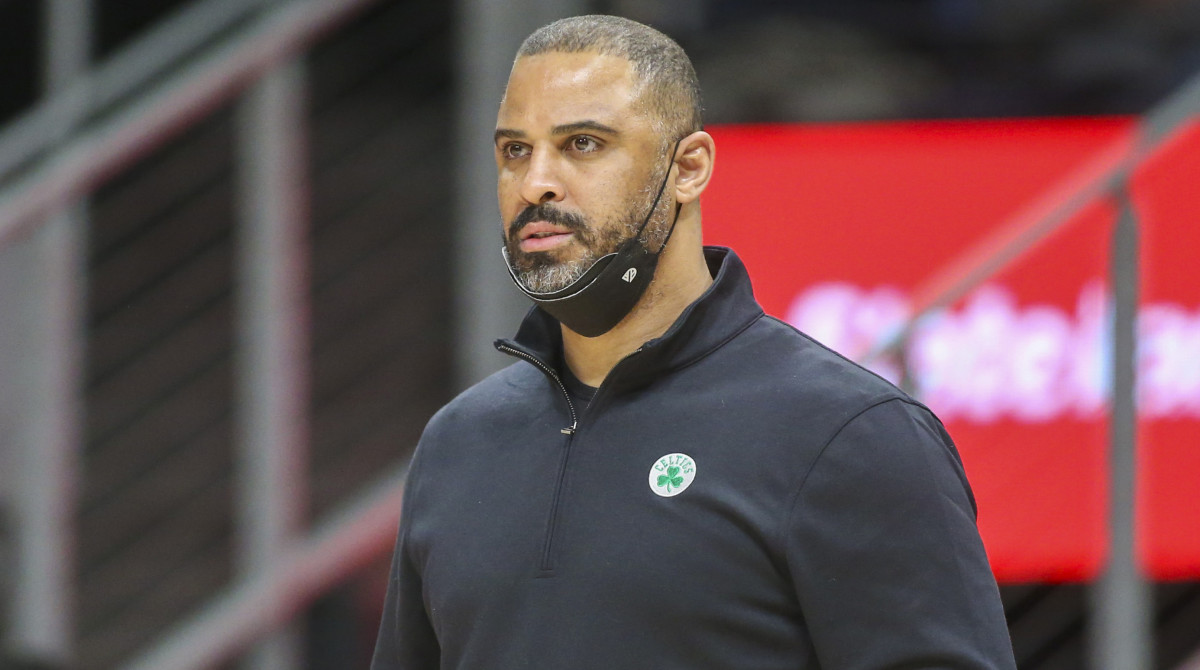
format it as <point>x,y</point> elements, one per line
<point>205,55</point>
<point>95,122</point>
<point>217,49</point>
<point>165,108</point>
<point>1104,173</point>
<point>337,546</point>
<point>1122,610</point>
<point>122,75</point>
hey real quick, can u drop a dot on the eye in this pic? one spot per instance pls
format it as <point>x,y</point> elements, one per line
<point>514,150</point>
<point>585,144</point>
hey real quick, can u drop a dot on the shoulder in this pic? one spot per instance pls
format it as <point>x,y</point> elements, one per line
<point>792,370</point>
<point>872,418</point>
<point>799,349</point>
<point>495,406</point>
<point>509,386</point>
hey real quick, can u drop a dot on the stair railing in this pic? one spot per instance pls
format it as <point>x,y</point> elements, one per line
<point>1122,612</point>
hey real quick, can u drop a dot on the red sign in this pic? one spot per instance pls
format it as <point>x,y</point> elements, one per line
<point>845,229</point>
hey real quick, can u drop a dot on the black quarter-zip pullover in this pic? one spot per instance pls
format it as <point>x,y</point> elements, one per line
<point>734,495</point>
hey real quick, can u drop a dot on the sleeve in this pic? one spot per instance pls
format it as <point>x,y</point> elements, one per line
<point>885,555</point>
<point>406,638</point>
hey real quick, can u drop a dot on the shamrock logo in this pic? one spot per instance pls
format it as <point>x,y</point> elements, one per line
<point>670,479</point>
<point>671,474</point>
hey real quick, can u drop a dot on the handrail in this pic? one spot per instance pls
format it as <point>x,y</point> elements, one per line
<point>166,108</point>
<point>346,539</point>
<point>1120,611</point>
<point>1057,206</point>
<point>147,57</point>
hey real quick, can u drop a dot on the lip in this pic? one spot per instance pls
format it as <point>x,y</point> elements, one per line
<point>549,236</point>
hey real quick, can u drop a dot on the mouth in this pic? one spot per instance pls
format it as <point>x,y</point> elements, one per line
<point>542,236</point>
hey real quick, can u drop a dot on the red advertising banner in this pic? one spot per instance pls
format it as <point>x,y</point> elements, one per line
<point>1166,193</point>
<point>846,228</point>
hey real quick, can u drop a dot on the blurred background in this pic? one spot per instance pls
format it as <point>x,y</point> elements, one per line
<point>248,247</point>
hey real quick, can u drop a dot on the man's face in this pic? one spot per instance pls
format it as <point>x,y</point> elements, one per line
<point>579,165</point>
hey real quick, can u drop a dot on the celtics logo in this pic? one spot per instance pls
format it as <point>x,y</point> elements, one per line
<point>671,474</point>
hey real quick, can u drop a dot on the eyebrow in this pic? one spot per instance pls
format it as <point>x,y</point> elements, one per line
<point>509,133</point>
<point>564,129</point>
<point>588,124</point>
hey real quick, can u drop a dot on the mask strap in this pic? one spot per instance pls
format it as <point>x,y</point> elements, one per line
<point>654,205</point>
<point>671,230</point>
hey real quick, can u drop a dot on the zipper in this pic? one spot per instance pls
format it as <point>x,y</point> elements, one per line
<point>549,372</point>
<point>546,565</point>
<point>547,561</point>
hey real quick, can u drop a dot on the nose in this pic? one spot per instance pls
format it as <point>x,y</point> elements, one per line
<point>542,182</point>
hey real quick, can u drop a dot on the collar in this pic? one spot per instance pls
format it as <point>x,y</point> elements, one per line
<point>725,309</point>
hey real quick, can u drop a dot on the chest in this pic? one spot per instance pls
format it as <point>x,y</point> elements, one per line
<point>643,518</point>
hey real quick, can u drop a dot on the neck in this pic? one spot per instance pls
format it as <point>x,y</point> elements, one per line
<point>681,278</point>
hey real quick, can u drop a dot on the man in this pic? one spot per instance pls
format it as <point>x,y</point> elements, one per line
<point>667,478</point>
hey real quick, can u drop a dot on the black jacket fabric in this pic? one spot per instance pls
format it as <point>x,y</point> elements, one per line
<point>826,523</point>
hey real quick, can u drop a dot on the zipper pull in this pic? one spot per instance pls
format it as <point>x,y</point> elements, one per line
<point>569,430</point>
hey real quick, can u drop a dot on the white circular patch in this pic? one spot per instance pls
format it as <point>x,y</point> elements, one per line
<point>671,474</point>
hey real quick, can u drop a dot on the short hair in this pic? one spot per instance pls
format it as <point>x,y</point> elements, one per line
<point>666,80</point>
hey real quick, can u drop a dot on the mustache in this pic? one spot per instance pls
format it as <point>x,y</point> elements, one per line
<point>550,214</point>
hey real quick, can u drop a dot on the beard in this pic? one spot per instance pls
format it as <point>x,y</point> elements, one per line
<point>549,271</point>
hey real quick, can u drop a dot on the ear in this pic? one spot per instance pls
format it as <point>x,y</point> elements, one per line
<point>695,162</point>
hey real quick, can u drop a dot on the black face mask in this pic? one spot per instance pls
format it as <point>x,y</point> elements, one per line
<point>596,302</point>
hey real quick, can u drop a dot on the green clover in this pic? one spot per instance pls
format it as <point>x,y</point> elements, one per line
<point>671,478</point>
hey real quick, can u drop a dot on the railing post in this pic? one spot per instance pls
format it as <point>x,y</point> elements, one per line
<point>43,305</point>
<point>272,338</point>
<point>41,338</point>
<point>1122,608</point>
